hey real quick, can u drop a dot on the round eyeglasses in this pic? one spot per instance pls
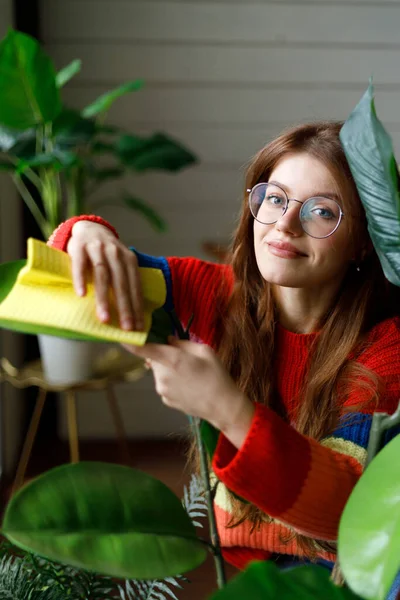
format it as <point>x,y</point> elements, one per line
<point>319,216</point>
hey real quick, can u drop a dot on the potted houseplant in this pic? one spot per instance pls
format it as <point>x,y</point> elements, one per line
<point>56,156</point>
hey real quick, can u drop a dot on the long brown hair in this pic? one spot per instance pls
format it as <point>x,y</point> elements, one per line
<point>247,324</point>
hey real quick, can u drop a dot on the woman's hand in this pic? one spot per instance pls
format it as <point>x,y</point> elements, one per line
<point>96,254</point>
<point>189,377</point>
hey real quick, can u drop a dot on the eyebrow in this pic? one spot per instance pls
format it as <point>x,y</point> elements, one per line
<point>331,195</point>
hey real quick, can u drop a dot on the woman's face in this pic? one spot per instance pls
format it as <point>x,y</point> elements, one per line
<point>316,261</point>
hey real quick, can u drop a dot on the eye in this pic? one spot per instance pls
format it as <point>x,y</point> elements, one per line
<point>324,213</point>
<point>275,200</point>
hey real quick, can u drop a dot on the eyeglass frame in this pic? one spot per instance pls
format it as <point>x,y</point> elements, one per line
<point>250,191</point>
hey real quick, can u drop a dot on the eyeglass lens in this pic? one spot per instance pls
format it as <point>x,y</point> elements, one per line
<point>319,216</point>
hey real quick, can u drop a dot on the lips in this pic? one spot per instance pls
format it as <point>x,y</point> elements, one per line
<point>286,247</point>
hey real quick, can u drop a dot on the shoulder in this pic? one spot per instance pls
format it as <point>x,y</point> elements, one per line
<point>380,354</point>
<point>380,350</point>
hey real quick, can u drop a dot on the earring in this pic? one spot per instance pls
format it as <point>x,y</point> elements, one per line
<point>358,268</point>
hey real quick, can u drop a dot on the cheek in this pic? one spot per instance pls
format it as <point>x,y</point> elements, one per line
<point>337,251</point>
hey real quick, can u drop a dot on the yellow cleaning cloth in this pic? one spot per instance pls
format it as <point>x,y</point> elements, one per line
<point>44,295</point>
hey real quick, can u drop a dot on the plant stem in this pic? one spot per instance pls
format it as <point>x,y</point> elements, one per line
<point>216,547</point>
<point>31,204</point>
<point>381,422</point>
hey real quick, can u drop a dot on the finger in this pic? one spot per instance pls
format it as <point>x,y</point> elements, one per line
<point>160,353</point>
<point>101,278</point>
<point>135,287</point>
<point>120,285</point>
<point>79,265</point>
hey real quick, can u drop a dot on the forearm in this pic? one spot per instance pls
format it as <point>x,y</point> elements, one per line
<point>288,476</point>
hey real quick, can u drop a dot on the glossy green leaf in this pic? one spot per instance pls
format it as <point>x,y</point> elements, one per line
<point>369,532</point>
<point>155,220</point>
<point>68,72</point>
<point>264,581</point>
<point>159,152</point>
<point>369,152</point>
<point>107,518</point>
<point>28,91</point>
<point>104,103</point>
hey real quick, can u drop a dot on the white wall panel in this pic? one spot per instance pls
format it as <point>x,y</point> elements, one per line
<point>208,22</point>
<point>197,63</point>
<point>235,106</point>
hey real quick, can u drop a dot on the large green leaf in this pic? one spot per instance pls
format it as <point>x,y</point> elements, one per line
<point>28,91</point>
<point>158,152</point>
<point>104,103</point>
<point>264,581</point>
<point>369,152</point>
<point>107,518</point>
<point>68,72</point>
<point>369,532</point>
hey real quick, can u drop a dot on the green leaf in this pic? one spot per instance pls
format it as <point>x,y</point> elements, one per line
<point>106,518</point>
<point>159,152</point>
<point>146,211</point>
<point>70,129</point>
<point>209,435</point>
<point>68,72</point>
<point>369,152</point>
<point>104,103</point>
<point>28,91</point>
<point>369,531</point>
<point>160,327</point>
<point>264,581</point>
<point>9,138</point>
<point>57,159</point>
<point>21,144</point>
<point>18,583</point>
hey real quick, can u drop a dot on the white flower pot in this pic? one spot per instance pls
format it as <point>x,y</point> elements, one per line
<point>67,361</point>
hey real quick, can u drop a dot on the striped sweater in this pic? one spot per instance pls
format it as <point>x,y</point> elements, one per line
<point>301,484</point>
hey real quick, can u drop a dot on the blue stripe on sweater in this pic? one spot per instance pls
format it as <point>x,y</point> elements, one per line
<point>356,427</point>
<point>145,260</point>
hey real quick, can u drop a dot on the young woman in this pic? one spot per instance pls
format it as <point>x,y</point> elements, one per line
<point>300,344</point>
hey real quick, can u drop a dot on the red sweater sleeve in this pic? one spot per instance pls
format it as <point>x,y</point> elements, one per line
<point>295,479</point>
<point>60,237</point>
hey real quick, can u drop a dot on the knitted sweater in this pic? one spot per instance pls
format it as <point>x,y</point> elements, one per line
<point>299,482</point>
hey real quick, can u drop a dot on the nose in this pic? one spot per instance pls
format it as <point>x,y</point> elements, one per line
<point>289,222</point>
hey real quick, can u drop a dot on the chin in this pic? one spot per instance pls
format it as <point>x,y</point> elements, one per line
<point>294,280</point>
